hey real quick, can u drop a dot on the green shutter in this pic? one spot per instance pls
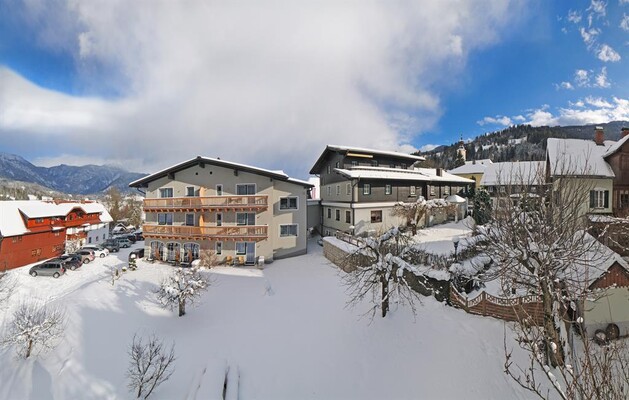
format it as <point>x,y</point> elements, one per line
<point>592,198</point>
<point>606,199</point>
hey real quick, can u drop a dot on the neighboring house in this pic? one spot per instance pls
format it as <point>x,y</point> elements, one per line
<point>31,231</point>
<point>237,211</point>
<point>473,170</point>
<point>359,187</point>
<point>578,166</point>
<point>617,156</point>
<point>512,179</point>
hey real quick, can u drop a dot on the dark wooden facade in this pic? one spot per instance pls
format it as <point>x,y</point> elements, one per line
<point>619,162</point>
<point>616,275</point>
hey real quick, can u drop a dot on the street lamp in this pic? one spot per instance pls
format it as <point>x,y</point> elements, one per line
<point>455,241</point>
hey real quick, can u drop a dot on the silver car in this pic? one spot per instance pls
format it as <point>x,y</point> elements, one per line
<point>54,268</point>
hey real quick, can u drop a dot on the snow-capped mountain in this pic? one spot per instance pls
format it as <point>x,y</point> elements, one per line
<point>87,179</point>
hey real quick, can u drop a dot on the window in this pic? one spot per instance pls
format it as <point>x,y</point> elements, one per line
<point>348,189</point>
<point>288,203</point>
<point>89,240</point>
<point>219,219</point>
<point>624,200</point>
<point>366,189</point>
<point>166,192</point>
<point>502,189</point>
<point>348,217</point>
<point>219,190</point>
<point>219,248</point>
<point>164,218</point>
<point>403,166</point>
<point>241,248</point>
<point>446,190</point>
<point>374,163</point>
<point>35,252</point>
<point>57,233</point>
<point>329,190</point>
<point>338,190</point>
<point>490,189</point>
<point>288,230</point>
<point>376,216</point>
<point>337,214</point>
<point>39,220</point>
<point>246,189</point>
<point>329,169</point>
<point>329,213</point>
<point>336,165</point>
<point>412,190</point>
<point>387,189</point>
<point>189,219</point>
<point>599,198</point>
<point>245,218</point>
<point>354,163</point>
<point>189,191</point>
<point>432,190</point>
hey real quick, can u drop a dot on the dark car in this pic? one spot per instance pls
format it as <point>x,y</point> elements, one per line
<point>131,237</point>
<point>111,245</point>
<point>54,268</point>
<point>72,261</point>
<point>138,236</point>
<point>136,254</point>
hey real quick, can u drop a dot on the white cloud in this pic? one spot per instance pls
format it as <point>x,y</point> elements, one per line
<point>266,84</point>
<point>581,77</point>
<point>589,36</point>
<point>598,8</point>
<point>497,120</point>
<point>574,16</point>
<point>601,80</point>
<point>607,53</point>
<point>564,85</point>
<point>519,118</point>
<point>624,23</point>
<point>592,110</point>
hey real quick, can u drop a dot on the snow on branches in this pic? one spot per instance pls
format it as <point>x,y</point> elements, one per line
<point>415,212</point>
<point>183,285</point>
<point>35,328</point>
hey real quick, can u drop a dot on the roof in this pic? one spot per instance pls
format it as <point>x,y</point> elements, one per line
<point>142,182</point>
<point>472,167</point>
<point>594,263</point>
<point>615,147</point>
<point>578,157</point>
<point>417,174</point>
<point>514,173</point>
<point>360,150</point>
<point>12,223</point>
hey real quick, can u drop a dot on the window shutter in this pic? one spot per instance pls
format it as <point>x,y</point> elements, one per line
<point>606,199</point>
<point>592,199</point>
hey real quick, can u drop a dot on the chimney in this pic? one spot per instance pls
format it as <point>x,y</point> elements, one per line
<point>439,172</point>
<point>599,136</point>
<point>624,131</point>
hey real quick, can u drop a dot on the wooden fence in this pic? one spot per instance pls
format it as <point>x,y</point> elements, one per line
<point>509,309</point>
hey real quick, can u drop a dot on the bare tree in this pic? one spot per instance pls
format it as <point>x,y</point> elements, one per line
<point>7,287</point>
<point>35,328</point>
<point>150,364</point>
<point>415,212</point>
<point>183,285</point>
<point>378,272</point>
<point>540,247</point>
<point>208,259</point>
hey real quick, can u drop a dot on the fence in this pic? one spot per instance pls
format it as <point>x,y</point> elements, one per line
<point>509,309</point>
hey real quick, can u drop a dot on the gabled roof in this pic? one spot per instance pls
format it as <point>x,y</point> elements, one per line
<point>280,175</point>
<point>514,173</point>
<point>472,167</point>
<point>615,147</point>
<point>393,174</point>
<point>360,150</point>
<point>578,157</point>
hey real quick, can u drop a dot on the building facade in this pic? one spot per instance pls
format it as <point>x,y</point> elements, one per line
<point>359,187</point>
<point>242,214</point>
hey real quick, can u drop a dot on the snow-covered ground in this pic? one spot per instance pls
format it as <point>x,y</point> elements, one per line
<point>438,239</point>
<point>285,328</point>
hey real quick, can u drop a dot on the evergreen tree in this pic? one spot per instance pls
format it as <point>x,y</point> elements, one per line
<point>482,207</point>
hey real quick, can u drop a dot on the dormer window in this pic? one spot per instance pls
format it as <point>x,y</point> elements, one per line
<point>374,163</point>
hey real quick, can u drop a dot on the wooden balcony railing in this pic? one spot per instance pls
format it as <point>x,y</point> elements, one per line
<point>251,202</point>
<point>229,232</point>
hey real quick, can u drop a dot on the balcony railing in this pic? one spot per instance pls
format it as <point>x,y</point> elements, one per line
<point>232,232</point>
<point>252,202</point>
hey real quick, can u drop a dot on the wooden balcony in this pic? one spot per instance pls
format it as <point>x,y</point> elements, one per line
<point>213,203</point>
<point>239,233</point>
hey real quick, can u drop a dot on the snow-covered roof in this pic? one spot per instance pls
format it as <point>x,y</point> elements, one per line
<point>361,150</point>
<point>595,262</point>
<point>472,167</point>
<point>615,147</point>
<point>514,173</point>
<point>12,223</point>
<point>218,162</point>
<point>417,174</point>
<point>578,157</point>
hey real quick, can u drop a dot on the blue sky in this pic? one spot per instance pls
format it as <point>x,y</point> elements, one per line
<point>146,85</point>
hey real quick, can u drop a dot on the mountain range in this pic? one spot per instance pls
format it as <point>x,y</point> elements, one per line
<point>87,179</point>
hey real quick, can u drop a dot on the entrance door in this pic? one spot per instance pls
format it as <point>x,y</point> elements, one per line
<point>250,257</point>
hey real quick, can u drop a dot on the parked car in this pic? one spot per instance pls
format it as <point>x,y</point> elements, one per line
<point>136,254</point>
<point>138,236</point>
<point>131,237</point>
<point>71,261</point>
<point>86,255</point>
<point>111,245</point>
<point>99,251</point>
<point>54,268</point>
<point>124,242</point>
